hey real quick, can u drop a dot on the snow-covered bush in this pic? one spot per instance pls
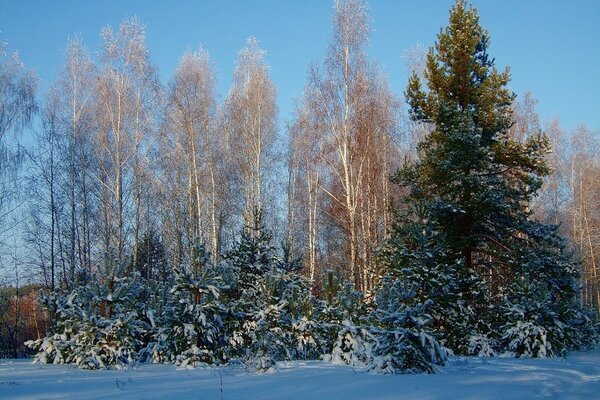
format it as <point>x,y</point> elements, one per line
<point>527,339</point>
<point>268,305</point>
<point>305,342</point>
<point>404,342</point>
<point>343,307</point>
<point>352,347</point>
<point>585,325</point>
<point>97,326</point>
<point>56,347</point>
<point>481,346</point>
<point>532,328</point>
<point>193,328</point>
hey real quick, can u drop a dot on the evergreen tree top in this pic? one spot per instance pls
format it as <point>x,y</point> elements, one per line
<point>475,180</point>
<point>462,77</point>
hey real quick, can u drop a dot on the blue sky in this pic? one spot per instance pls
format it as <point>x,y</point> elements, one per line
<point>552,47</point>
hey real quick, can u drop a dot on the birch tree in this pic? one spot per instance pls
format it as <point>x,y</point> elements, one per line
<point>128,89</point>
<point>17,92</point>
<point>43,233</point>
<point>191,117</point>
<point>250,113</point>
<point>18,87</point>
<point>73,99</point>
<point>584,216</point>
<point>305,201</point>
<point>346,123</point>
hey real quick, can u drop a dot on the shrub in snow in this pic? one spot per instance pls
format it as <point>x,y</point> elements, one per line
<point>527,339</point>
<point>193,330</point>
<point>352,347</point>
<point>266,302</point>
<point>481,346</point>
<point>532,328</point>
<point>586,327</point>
<point>414,253</point>
<point>305,340</point>
<point>97,326</point>
<point>343,307</point>
<point>404,342</point>
<point>56,348</point>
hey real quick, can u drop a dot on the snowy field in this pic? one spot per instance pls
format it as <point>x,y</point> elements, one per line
<point>576,377</point>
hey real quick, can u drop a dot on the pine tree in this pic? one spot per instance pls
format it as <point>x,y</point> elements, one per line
<point>194,331</point>
<point>98,326</point>
<point>414,254</point>
<point>474,180</point>
<point>249,260</point>
<point>343,328</point>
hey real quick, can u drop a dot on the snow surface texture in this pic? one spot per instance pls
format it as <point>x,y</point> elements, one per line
<point>576,377</point>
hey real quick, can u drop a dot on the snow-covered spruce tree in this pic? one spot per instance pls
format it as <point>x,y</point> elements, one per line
<point>475,181</point>
<point>191,331</point>
<point>401,327</point>
<point>542,316</point>
<point>587,325</point>
<point>353,345</point>
<point>267,302</point>
<point>341,331</point>
<point>414,254</point>
<point>532,326</point>
<point>302,340</point>
<point>151,259</point>
<point>57,346</point>
<point>248,262</point>
<point>151,263</point>
<point>266,325</point>
<point>98,325</point>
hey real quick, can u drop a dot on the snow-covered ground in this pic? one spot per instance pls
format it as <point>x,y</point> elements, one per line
<point>576,377</point>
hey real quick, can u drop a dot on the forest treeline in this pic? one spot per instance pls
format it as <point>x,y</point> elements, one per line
<point>454,194</point>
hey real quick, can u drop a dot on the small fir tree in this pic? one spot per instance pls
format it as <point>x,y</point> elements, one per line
<point>98,326</point>
<point>266,301</point>
<point>340,318</point>
<point>194,328</point>
<point>401,326</point>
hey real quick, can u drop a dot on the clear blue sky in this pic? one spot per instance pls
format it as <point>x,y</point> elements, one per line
<point>552,47</point>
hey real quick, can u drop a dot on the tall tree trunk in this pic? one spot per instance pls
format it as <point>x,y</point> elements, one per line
<point>213,215</point>
<point>52,218</point>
